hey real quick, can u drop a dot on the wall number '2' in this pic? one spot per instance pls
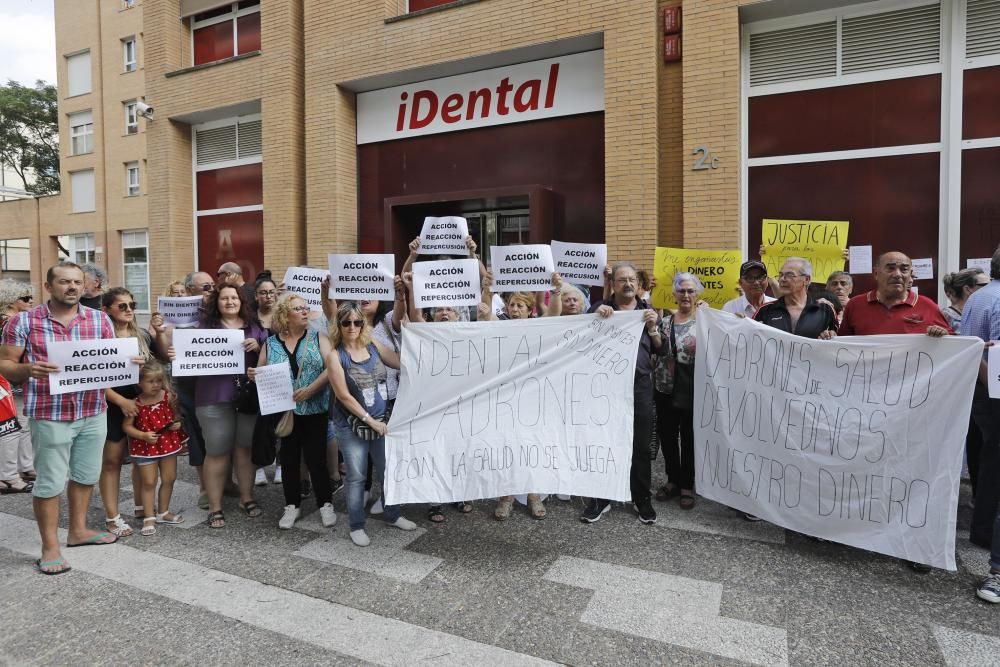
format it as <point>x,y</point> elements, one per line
<point>705,159</point>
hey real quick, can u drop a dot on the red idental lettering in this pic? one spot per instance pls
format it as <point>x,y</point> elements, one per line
<point>416,122</point>
<point>401,116</point>
<point>452,104</point>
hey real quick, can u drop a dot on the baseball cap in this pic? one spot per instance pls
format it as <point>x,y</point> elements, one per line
<point>752,264</point>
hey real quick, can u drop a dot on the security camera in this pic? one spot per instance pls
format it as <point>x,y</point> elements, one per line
<point>144,110</point>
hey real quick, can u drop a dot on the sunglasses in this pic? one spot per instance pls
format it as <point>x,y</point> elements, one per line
<point>208,287</point>
<point>26,299</point>
<point>352,323</point>
<point>126,306</point>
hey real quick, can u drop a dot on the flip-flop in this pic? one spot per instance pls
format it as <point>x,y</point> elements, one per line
<point>95,540</point>
<point>39,564</point>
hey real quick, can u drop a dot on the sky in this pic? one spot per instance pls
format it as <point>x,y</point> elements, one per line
<point>27,41</point>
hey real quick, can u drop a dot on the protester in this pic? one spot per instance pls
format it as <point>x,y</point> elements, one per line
<point>753,283</point>
<point>155,440</point>
<point>265,297</point>
<point>356,370</point>
<point>623,297</point>
<point>119,306</point>
<point>674,389</point>
<point>842,285</point>
<point>67,430</point>
<point>796,312</point>
<point>95,279</point>
<point>17,472</point>
<point>230,273</point>
<point>176,289</point>
<point>573,300</point>
<point>646,283</point>
<point>958,287</point>
<point>304,350</point>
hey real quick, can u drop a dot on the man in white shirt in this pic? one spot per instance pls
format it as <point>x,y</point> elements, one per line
<point>753,282</point>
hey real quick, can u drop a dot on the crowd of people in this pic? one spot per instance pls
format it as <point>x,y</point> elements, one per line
<point>344,366</point>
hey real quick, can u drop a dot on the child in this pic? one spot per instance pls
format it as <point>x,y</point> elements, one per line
<point>155,439</point>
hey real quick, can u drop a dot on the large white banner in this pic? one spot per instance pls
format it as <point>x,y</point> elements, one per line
<point>487,409</point>
<point>856,440</point>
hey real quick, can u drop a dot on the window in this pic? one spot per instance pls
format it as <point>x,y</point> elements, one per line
<point>226,31</point>
<point>128,4</point>
<point>135,262</point>
<point>131,118</point>
<point>82,187</point>
<point>80,247</point>
<point>128,54</point>
<point>417,5</point>
<point>131,179</point>
<point>78,74</point>
<point>81,132</point>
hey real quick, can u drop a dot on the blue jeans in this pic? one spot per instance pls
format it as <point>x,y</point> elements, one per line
<point>355,452</point>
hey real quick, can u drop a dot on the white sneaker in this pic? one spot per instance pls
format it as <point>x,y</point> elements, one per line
<point>360,537</point>
<point>377,507</point>
<point>277,475</point>
<point>260,479</point>
<point>289,518</point>
<point>328,516</point>
<point>404,524</point>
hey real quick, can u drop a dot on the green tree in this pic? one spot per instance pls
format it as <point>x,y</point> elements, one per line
<point>29,134</point>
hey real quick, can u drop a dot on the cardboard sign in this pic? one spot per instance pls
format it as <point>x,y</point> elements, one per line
<point>93,364</point>
<point>362,277</point>
<point>444,236</point>
<point>580,263</point>
<point>274,388</point>
<point>521,268</point>
<point>451,282</point>
<point>821,242</point>
<point>718,271</point>
<point>306,283</point>
<point>208,352</point>
<point>180,311</point>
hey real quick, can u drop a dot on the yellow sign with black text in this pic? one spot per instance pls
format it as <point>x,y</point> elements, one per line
<point>821,242</point>
<point>718,271</point>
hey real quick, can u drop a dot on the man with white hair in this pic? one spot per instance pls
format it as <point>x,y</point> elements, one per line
<point>95,281</point>
<point>796,312</point>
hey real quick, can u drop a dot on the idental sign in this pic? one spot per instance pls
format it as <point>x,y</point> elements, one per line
<point>541,89</point>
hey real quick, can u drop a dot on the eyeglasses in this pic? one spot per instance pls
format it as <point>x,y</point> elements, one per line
<point>301,309</point>
<point>27,298</point>
<point>625,281</point>
<point>269,292</point>
<point>352,323</point>
<point>755,279</point>
<point>126,306</point>
<point>208,287</point>
<point>685,291</point>
<point>788,275</point>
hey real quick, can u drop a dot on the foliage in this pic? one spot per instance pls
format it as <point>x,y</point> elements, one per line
<point>29,134</point>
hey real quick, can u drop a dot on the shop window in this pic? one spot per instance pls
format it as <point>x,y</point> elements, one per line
<point>131,179</point>
<point>78,74</point>
<point>226,31</point>
<point>129,54</point>
<point>81,185</point>
<point>81,133</point>
<point>131,118</point>
<point>135,265</point>
<point>417,5</point>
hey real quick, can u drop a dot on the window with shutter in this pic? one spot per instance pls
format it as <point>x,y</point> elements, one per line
<point>793,54</point>
<point>900,38</point>
<point>982,28</point>
<point>216,145</point>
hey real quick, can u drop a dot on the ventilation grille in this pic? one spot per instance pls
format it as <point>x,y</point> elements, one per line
<point>900,38</point>
<point>250,139</point>
<point>216,145</point>
<point>982,28</point>
<point>793,54</point>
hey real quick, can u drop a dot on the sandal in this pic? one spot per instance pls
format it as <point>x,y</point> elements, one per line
<point>435,515</point>
<point>504,506</point>
<point>252,509</point>
<point>17,486</point>
<point>118,527</point>
<point>216,520</point>
<point>687,501</point>
<point>57,566</point>
<point>666,492</point>
<point>169,518</point>
<point>29,476</point>
<point>535,506</point>
<point>148,526</point>
<point>203,501</point>
<point>463,506</point>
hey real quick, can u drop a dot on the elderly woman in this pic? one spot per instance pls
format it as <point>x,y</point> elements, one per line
<point>958,287</point>
<point>17,472</point>
<point>305,351</point>
<point>674,391</point>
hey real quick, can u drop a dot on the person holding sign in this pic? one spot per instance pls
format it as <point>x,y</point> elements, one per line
<point>796,312</point>
<point>461,312</point>
<point>624,283</point>
<point>753,282</point>
<point>266,296</point>
<point>67,430</point>
<point>304,350</point>
<point>356,371</point>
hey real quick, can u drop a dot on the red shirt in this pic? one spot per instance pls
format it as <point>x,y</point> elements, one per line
<point>864,315</point>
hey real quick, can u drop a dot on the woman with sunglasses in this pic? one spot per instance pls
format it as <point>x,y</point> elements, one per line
<point>357,372</point>
<point>17,467</point>
<point>119,305</point>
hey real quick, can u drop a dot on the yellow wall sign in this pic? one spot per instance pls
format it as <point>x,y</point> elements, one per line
<point>718,271</point>
<point>821,242</point>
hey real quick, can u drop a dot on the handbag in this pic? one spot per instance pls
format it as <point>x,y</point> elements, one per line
<point>363,430</point>
<point>285,425</point>
<point>246,396</point>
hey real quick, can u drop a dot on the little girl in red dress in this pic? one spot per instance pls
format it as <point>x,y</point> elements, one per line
<point>155,439</point>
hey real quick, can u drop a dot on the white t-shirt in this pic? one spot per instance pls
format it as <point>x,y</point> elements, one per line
<point>741,305</point>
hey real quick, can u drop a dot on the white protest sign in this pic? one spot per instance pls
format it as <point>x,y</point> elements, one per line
<point>444,236</point>
<point>923,269</point>
<point>860,259</point>
<point>521,268</point>
<point>180,311</point>
<point>993,370</point>
<point>208,352</point>
<point>450,282</point>
<point>491,409</point>
<point>982,263</point>
<point>274,388</point>
<point>93,364</point>
<point>580,263</point>
<point>357,277</point>
<point>841,439</point>
<point>307,283</point>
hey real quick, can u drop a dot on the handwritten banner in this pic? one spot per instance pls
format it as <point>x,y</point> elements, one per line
<point>306,283</point>
<point>580,263</point>
<point>450,282</point>
<point>521,268</point>
<point>822,243</point>
<point>180,311</point>
<point>491,409</point>
<point>444,236</point>
<point>274,388</point>
<point>208,352</point>
<point>718,271</point>
<point>839,439</point>
<point>93,364</point>
<point>357,277</point>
